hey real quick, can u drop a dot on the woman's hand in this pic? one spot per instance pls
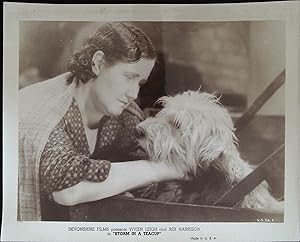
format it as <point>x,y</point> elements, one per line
<point>163,171</point>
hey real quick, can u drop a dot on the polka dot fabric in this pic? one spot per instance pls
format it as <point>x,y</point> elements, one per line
<point>65,160</point>
<point>116,139</point>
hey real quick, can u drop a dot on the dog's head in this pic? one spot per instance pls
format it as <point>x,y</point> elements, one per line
<point>193,129</point>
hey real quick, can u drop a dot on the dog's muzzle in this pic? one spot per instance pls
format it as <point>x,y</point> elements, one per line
<point>140,132</point>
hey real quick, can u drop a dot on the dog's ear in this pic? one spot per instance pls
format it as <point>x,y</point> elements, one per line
<point>217,140</point>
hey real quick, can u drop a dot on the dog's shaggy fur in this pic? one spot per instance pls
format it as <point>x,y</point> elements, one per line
<point>195,133</point>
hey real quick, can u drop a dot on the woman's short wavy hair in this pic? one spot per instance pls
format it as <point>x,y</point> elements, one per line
<point>120,42</point>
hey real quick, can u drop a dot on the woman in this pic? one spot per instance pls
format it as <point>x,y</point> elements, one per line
<point>68,125</point>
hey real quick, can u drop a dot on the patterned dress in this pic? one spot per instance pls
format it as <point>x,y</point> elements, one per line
<point>66,159</point>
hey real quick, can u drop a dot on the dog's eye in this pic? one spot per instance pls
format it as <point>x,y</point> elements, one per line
<point>176,124</point>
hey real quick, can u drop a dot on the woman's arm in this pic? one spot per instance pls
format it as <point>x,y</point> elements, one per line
<point>63,166</point>
<point>122,177</point>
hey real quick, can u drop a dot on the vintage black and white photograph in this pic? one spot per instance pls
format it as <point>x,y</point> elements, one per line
<point>155,123</point>
<point>151,121</point>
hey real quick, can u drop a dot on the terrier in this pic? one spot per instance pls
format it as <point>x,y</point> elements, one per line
<point>195,133</point>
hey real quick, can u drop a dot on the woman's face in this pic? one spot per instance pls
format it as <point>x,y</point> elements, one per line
<point>117,85</point>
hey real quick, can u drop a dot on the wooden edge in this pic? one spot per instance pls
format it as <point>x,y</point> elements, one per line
<point>125,209</point>
<point>238,192</point>
<point>260,101</point>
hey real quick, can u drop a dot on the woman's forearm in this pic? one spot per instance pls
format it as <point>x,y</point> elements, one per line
<point>123,176</point>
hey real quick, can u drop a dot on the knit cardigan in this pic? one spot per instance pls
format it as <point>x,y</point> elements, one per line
<point>41,107</point>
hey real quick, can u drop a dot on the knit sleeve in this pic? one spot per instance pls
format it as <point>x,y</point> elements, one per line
<point>61,166</point>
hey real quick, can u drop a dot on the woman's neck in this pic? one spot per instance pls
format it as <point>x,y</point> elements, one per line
<point>90,115</point>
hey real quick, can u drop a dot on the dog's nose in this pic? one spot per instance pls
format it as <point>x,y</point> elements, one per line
<point>140,132</point>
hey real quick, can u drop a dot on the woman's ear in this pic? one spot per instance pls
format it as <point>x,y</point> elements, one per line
<point>97,62</point>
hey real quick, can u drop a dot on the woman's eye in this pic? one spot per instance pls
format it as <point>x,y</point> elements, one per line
<point>129,78</point>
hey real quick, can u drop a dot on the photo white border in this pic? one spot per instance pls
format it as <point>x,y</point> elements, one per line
<point>15,12</point>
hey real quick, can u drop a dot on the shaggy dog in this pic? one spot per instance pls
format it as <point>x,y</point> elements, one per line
<point>195,133</point>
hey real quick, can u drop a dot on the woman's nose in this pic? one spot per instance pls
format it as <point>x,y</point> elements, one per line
<point>133,92</point>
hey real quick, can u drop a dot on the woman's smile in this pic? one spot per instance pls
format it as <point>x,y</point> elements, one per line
<point>123,104</point>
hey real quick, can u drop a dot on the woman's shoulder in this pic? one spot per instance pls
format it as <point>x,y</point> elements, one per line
<point>45,100</point>
<point>46,90</point>
<point>50,85</point>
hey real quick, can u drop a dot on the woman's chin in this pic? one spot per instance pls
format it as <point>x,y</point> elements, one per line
<point>116,111</point>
